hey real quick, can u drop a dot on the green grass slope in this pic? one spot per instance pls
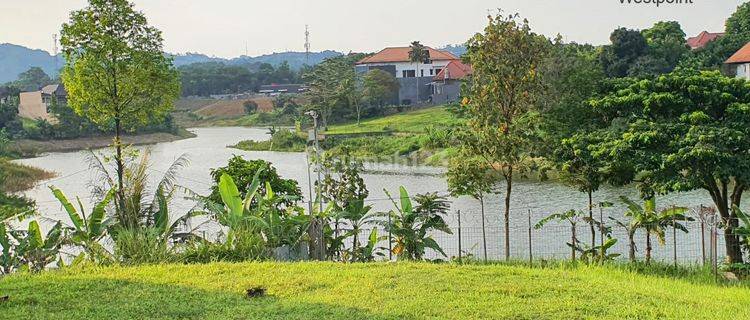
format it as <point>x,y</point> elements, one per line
<point>365,291</point>
<point>409,122</point>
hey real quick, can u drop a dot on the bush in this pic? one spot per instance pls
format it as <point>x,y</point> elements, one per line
<point>142,246</point>
<point>243,171</point>
<point>238,247</point>
<point>282,141</point>
<point>250,106</point>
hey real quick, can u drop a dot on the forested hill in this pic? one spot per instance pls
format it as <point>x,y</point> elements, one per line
<point>15,59</point>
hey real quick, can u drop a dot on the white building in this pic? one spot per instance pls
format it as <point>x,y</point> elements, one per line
<point>415,78</point>
<point>739,63</point>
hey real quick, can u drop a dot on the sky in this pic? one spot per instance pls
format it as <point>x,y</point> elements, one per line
<point>230,28</point>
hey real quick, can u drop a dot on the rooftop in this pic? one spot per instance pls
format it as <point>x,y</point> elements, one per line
<point>401,54</point>
<point>741,56</point>
<point>453,71</point>
<point>702,39</point>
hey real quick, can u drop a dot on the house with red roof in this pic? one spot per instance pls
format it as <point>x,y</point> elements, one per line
<point>446,86</point>
<point>703,39</point>
<point>739,63</point>
<point>417,79</point>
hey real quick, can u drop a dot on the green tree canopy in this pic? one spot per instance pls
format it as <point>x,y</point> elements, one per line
<point>626,47</point>
<point>116,71</point>
<point>680,132</point>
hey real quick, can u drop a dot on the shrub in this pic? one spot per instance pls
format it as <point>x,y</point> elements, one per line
<point>142,246</point>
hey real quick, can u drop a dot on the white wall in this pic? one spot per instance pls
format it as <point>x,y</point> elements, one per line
<point>743,71</point>
<point>401,66</point>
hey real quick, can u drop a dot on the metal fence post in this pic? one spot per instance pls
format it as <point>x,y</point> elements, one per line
<point>459,236</point>
<point>531,257</point>
<point>702,217</point>
<point>674,236</point>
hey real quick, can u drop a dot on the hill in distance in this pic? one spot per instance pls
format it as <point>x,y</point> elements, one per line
<point>15,59</point>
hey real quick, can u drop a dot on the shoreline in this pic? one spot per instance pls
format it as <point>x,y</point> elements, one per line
<point>27,148</point>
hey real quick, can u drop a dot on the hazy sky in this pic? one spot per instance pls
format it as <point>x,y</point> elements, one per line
<point>224,27</point>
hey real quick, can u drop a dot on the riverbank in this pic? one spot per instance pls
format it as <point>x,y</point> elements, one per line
<point>30,148</point>
<point>419,137</point>
<point>370,291</point>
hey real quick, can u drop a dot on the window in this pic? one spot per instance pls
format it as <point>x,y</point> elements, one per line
<point>432,71</point>
<point>408,73</point>
<point>437,71</point>
<point>421,73</point>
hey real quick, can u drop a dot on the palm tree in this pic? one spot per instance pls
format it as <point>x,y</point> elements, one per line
<point>572,217</point>
<point>418,54</point>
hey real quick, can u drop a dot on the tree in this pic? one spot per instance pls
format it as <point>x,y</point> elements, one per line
<point>471,177</point>
<point>243,171</point>
<point>329,88</point>
<point>679,132</point>
<point>666,43</point>
<point>627,46</point>
<point>739,22</point>
<point>500,96</point>
<point>572,217</point>
<point>32,80</point>
<point>116,71</point>
<point>250,106</point>
<point>737,34</point>
<point>379,88</point>
<point>653,222</point>
<point>418,54</point>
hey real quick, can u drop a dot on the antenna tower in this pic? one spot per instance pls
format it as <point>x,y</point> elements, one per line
<point>55,50</point>
<point>307,43</point>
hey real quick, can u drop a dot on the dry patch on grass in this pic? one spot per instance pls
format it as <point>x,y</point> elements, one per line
<point>234,108</point>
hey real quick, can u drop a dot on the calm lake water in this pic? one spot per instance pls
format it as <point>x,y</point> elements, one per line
<point>209,150</point>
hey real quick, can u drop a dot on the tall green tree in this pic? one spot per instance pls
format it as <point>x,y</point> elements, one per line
<point>471,177</point>
<point>666,47</point>
<point>32,79</point>
<point>116,71</point>
<point>500,98</point>
<point>680,132</point>
<point>379,88</point>
<point>418,54</point>
<point>626,47</point>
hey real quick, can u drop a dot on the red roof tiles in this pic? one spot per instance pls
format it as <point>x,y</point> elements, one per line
<point>702,39</point>
<point>741,56</point>
<point>401,54</point>
<point>453,71</point>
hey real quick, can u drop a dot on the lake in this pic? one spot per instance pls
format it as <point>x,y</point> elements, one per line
<point>530,198</point>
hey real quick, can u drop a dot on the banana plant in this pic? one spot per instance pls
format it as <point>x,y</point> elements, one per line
<point>572,217</point>
<point>743,231</point>
<point>36,251</point>
<point>87,232</point>
<point>9,260</point>
<point>259,214</point>
<point>370,251</point>
<point>411,228</point>
<point>358,215</point>
<point>597,254</point>
<point>654,223</point>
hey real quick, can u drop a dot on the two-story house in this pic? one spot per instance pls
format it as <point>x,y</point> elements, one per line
<point>36,104</point>
<point>416,78</point>
<point>738,65</point>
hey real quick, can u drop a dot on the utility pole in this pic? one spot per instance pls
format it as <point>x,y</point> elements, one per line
<point>55,52</point>
<point>307,45</point>
<point>318,232</point>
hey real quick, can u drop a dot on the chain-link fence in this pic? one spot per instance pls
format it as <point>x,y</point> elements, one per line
<point>699,238</point>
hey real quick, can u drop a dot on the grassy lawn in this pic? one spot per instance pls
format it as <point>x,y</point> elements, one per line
<point>366,291</point>
<point>411,122</point>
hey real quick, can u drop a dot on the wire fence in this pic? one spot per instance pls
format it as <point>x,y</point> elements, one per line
<point>701,242</point>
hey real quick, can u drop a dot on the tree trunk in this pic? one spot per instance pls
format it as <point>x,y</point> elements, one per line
<point>355,246</point>
<point>508,190</point>
<point>573,242</point>
<point>120,174</point>
<point>591,220</point>
<point>631,245</point>
<point>725,204</point>
<point>648,247</point>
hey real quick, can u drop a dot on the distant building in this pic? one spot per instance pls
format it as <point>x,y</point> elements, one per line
<point>278,89</point>
<point>738,64</point>
<point>446,86</point>
<point>416,79</point>
<point>35,105</point>
<point>4,94</point>
<point>703,39</point>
